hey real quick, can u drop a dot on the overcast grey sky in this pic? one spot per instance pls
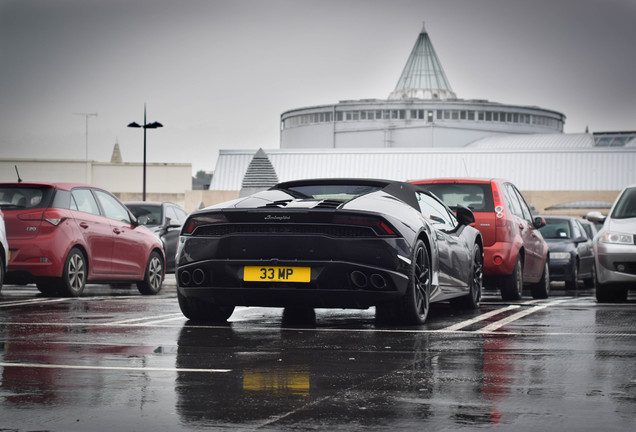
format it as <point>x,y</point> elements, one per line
<point>218,73</point>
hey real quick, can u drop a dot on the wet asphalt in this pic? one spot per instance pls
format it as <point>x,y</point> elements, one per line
<point>116,360</point>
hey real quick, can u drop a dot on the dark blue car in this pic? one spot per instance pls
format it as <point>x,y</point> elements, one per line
<point>571,251</point>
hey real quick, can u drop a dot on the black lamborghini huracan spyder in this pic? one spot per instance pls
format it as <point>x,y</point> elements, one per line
<point>330,243</point>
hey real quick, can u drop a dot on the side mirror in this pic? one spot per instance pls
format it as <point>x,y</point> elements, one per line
<point>173,223</point>
<point>464,215</point>
<point>539,222</point>
<point>595,217</point>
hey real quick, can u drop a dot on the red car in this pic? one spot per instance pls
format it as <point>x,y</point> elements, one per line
<point>515,252</point>
<point>63,235</point>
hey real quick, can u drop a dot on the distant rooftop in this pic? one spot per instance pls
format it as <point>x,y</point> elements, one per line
<point>423,76</point>
<point>615,139</point>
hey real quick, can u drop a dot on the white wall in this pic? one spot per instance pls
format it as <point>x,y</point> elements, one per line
<point>117,178</point>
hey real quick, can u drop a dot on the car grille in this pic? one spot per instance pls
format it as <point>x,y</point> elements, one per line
<point>327,230</point>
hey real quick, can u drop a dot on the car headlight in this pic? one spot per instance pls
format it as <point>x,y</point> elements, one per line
<point>614,237</point>
<point>559,256</point>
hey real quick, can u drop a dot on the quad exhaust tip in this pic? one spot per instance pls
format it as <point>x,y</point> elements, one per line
<point>375,281</point>
<point>196,277</point>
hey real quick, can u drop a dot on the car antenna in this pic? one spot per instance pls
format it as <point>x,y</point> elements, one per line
<point>18,173</point>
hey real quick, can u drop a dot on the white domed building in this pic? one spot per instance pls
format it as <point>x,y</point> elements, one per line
<point>422,111</point>
<point>422,130</point>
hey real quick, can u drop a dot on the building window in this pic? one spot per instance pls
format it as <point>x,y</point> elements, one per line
<point>429,117</point>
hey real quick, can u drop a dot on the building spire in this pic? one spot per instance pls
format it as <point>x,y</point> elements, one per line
<point>423,76</point>
<point>116,156</point>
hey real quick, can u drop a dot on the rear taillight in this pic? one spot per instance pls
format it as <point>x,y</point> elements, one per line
<point>500,215</point>
<point>378,225</point>
<point>197,221</point>
<point>54,217</point>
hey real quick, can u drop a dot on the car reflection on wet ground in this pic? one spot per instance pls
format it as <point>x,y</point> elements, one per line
<point>115,360</point>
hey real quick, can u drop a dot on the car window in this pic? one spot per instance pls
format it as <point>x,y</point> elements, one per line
<point>176,214</point>
<point>181,214</point>
<point>525,210</point>
<point>436,212</point>
<point>475,196</point>
<point>24,197</point>
<point>332,191</point>
<point>588,229</point>
<point>512,200</point>
<point>577,230</point>
<point>152,212</point>
<point>113,209</point>
<point>626,205</point>
<point>84,201</point>
<point>556,229</point>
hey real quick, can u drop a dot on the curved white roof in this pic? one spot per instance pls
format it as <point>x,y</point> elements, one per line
<point>535,141</point>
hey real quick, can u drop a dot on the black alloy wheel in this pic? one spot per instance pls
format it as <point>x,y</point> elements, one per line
<point>473,299</point>
<point>418,295</point>
<point>413,308</point>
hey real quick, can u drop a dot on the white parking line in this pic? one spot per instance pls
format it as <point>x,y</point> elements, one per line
<point>29,302</point>
<point>481,317</point>
<point>137,320</point>
<point>121,368</point>
<point>498,324</point>
<point>176,317</point>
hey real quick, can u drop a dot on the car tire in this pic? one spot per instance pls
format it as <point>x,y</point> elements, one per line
<point>412,309</point>
<point>2,270</point>
<point>607,293</point>
<point>198,309</point>
<point>473,299</point>
<point>299,315</point>
<point>74,275</point>
<point>591,281</point>
<point>48,286</point>
<point>512,284</point>
<point>541,289</point>
<point>153,275</point>
<point>573,283</point>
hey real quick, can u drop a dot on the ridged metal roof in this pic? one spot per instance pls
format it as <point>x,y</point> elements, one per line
<point>260,172</point>
<point>551,168</point>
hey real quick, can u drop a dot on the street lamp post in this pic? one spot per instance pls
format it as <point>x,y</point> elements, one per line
<point>153,125</point>
<point>87,115</point>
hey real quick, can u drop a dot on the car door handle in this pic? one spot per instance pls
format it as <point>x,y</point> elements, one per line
<point>84,225</point>
<point>116,231</point>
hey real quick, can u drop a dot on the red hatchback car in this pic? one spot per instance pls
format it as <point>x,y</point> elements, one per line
<point>515,252</point>
<point>63,235</point>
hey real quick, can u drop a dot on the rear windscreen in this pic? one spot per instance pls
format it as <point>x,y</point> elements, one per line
<point>332,191</point>
<point>475,196</point>
<point>556,229</point>
<point>25,197</point>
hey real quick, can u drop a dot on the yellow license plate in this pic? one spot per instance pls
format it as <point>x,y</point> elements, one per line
<point>276,274</point>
